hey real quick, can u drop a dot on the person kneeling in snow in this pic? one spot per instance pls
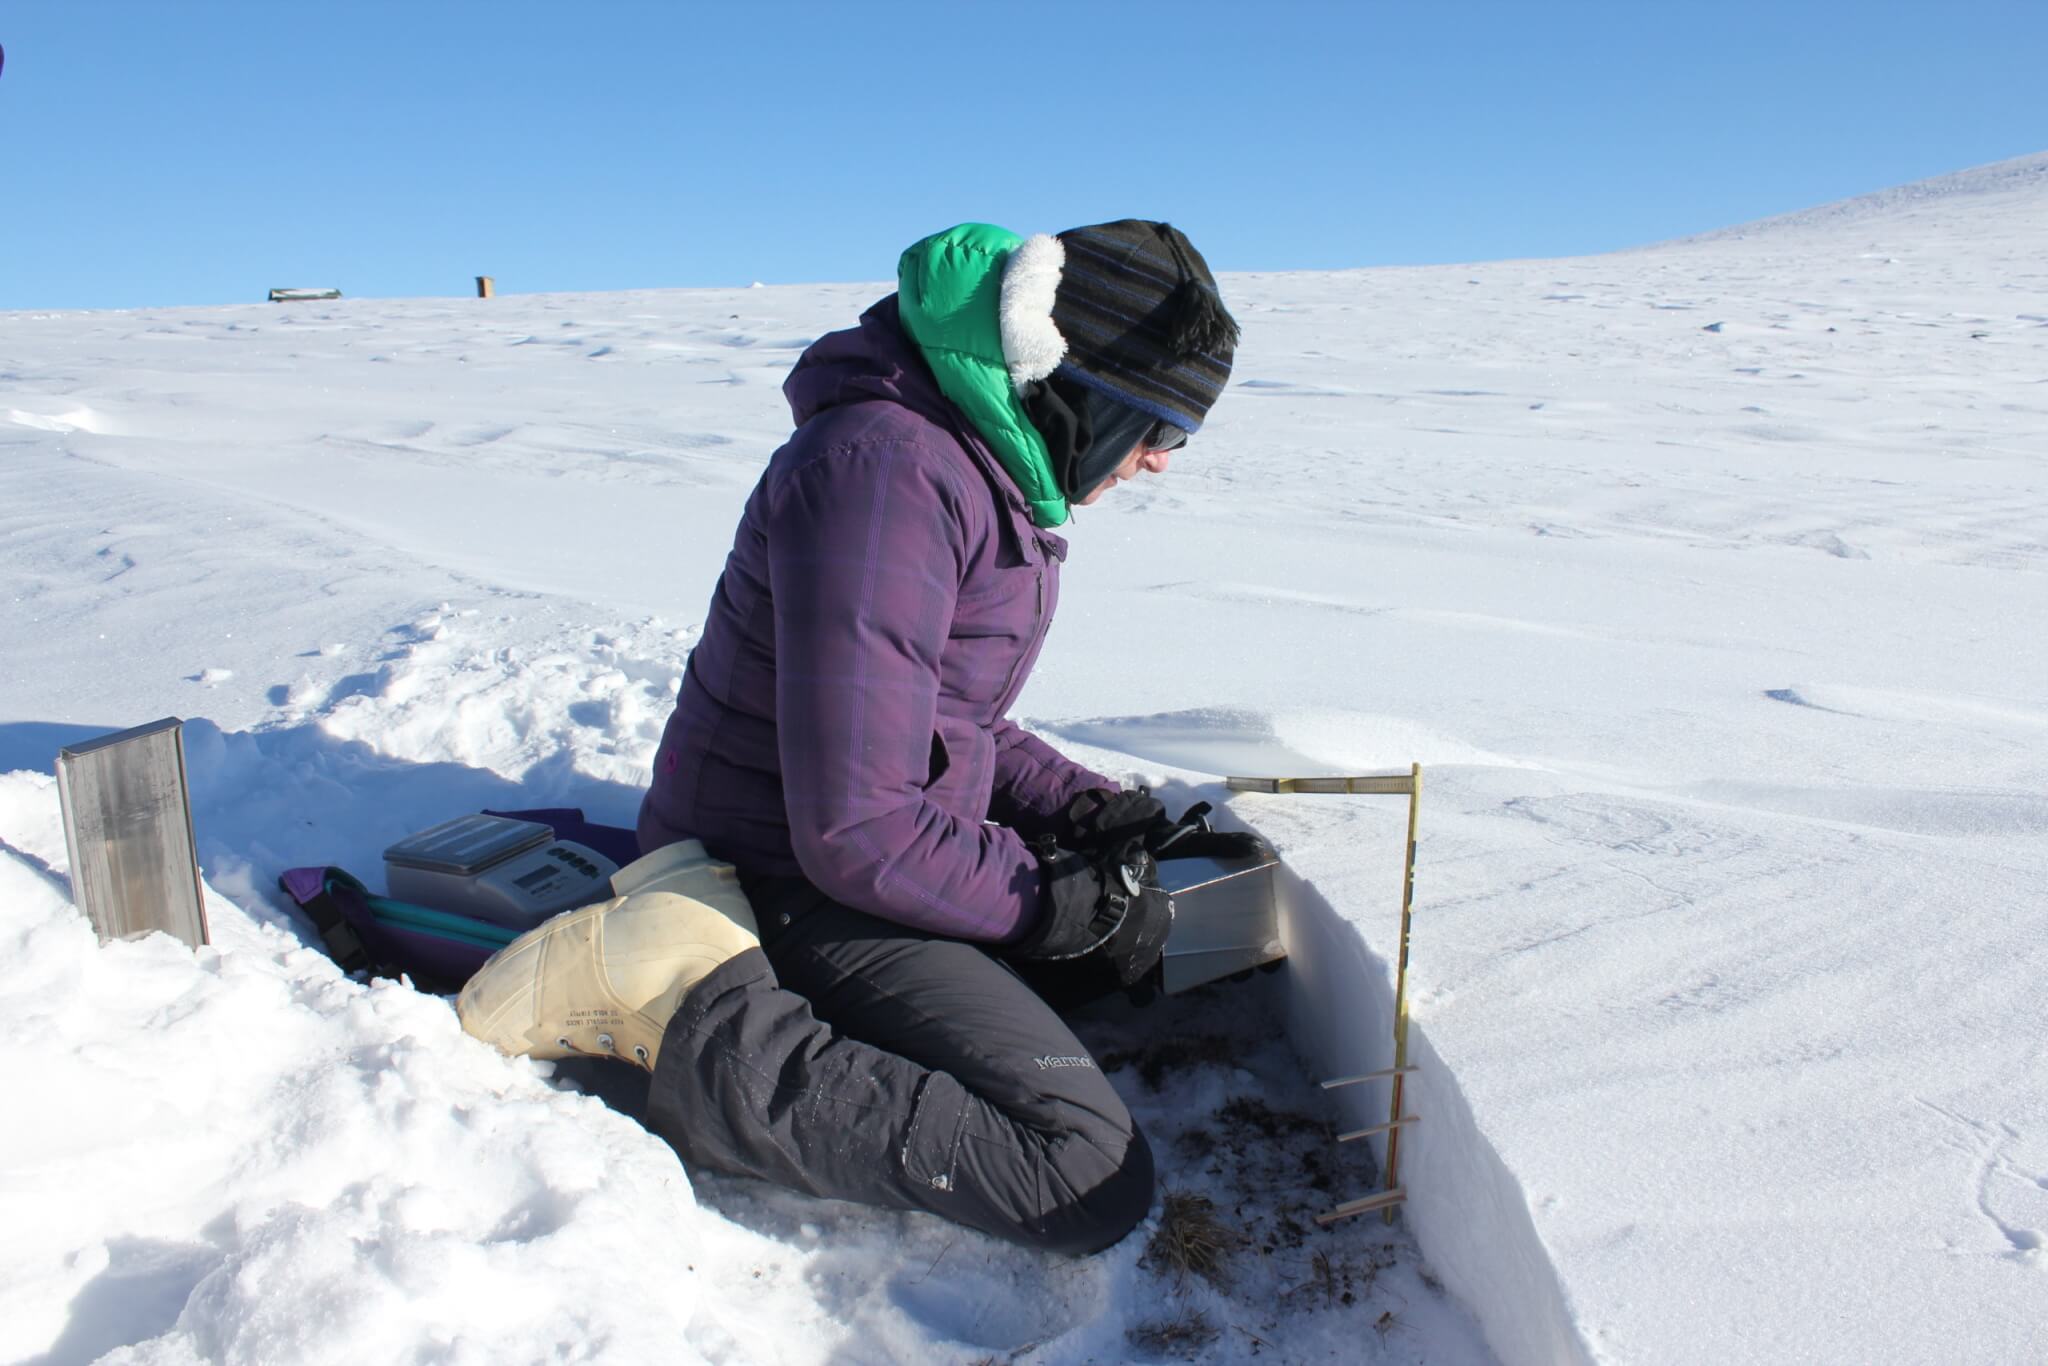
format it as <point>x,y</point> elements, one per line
<point>841,739</point>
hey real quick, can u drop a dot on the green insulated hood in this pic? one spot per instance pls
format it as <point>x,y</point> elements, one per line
<point>949,296</point>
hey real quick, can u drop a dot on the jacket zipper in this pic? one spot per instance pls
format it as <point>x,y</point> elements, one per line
<point>1031,643</point>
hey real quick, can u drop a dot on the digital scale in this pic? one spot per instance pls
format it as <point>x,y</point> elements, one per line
<point>510,872</point>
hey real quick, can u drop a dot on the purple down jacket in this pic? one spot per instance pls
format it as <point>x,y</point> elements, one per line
<point>844,714</point>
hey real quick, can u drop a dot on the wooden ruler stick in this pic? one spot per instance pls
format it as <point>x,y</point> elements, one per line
<point>1385,1200</point>
<point>1386,1128</point>
<point>1369,784</point>
<point>1385,1072</point>
<point>1394,1105</point>
<point>1407,785</point>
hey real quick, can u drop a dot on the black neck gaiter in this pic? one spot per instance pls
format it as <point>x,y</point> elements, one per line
<point>1087,433</point>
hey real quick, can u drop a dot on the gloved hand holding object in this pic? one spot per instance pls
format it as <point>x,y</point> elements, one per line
<point>1102,819</point>
<point>1193,837</point>
<point>1109,903</point>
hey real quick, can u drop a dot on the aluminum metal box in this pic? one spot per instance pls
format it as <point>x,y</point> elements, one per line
<point>1226,918</point>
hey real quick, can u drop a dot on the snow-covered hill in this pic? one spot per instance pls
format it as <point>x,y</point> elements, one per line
<point>1709,581</point>
<point>2003,196</point>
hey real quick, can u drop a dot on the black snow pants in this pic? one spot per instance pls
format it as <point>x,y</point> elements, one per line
<point>857,1059</point>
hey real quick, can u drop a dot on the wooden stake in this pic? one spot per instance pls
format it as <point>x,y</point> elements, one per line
<point>1401,993</point>
<point>1385,1200</point>
<point>1381,1075</point>
<point>1389,1127</point>
<point>1371,784</point>
<point>1390,784</point>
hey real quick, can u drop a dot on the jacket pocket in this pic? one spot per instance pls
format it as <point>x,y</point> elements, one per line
<point>931,1145</point>
<point>962,769</point>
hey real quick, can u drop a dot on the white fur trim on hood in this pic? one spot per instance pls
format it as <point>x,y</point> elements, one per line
<point>1032,345</point>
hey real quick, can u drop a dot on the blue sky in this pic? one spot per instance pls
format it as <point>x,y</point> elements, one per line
<point>167,153</point>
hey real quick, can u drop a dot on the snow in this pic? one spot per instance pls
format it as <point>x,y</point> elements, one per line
<point>1708,581</point>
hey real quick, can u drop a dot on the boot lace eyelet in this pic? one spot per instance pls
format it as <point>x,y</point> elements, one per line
<point>640,1052</point>
<point>604,1041</point>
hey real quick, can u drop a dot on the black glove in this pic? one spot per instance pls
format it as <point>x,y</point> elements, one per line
<point>1102,819</point>
<point>1109,904</point>
<point>1192,837</point>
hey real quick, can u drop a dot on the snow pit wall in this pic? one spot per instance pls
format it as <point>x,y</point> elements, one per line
<point>1467,1211</point>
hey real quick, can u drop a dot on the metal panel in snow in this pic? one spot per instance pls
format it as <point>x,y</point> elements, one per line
<point>128,825</point>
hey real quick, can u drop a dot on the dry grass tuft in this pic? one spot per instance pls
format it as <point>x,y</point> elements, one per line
<point>1191,1237</point>
<point>1181,1336</point>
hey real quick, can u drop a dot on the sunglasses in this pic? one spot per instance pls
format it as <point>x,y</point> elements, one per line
<point>1163,436</point>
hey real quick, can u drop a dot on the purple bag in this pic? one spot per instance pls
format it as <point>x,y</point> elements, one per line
<point>438,950</point>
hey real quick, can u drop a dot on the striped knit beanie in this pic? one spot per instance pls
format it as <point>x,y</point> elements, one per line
<point>1135,315</point>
